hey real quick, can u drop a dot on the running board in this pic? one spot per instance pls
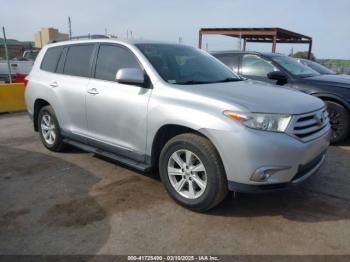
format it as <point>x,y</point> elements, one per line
<point>124,160</point>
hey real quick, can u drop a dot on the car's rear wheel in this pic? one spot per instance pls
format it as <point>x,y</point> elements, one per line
<point>339,118</point>
<point>49,130</point>
<point>192,172</point>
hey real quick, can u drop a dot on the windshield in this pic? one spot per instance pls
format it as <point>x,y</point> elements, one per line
<point>294,67</point>
<point>319,68</point>
<point>185,65</point>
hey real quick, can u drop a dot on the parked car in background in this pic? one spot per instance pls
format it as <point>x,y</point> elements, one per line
<point>19,65</point>
<point>316,66</point>
<point>286,71</point>
<point>323,70</point>
<point>175,107</point>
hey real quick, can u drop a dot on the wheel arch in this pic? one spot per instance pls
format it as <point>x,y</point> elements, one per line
<point>333,98</point>
<point>38,104</point>
<point>168,131</point>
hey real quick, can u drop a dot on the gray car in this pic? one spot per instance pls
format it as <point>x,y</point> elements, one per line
<point>178,109</point>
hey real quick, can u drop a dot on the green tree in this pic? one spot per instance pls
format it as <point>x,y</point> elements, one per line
<point>303,55</point>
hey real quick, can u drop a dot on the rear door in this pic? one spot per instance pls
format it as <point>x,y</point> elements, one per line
<point>71,82</point>
<point>117,113</point>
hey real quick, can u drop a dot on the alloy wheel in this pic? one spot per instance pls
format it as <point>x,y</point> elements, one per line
<point>48,129</point>
<point>187,174</point>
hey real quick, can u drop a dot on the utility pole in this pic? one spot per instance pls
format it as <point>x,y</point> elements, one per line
<point>106,31</point>
<point>180,40</point>
<point>7,55</point>
<point>127,33</point>
<point>206,47</point>
<point>70,27</point>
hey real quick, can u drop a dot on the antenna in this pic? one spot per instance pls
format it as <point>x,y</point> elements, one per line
<point>70,27</point>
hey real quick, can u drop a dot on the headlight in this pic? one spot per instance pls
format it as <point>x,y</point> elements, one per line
<point>267,122</point>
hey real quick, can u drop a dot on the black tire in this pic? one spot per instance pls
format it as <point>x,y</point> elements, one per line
<point>57,145</point>
<point>339,118</point>
<point>216,187</point>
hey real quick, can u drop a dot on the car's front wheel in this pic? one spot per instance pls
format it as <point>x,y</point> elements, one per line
<point>192,172</point>
<point>340,121</point>
<point>49,130</point>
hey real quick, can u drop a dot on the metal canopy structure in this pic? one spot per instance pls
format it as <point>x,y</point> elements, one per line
<point>259,35</point>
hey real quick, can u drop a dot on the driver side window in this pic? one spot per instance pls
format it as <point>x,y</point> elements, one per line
<point>253,65</point>
<point>110,59</point>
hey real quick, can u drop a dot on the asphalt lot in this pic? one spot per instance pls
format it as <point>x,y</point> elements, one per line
<point>78,203</point>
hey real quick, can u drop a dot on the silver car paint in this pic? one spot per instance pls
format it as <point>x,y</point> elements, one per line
<point>129,117</point>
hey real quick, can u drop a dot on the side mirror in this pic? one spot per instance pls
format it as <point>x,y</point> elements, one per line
<point>131,76</point>
<point>277,75</point>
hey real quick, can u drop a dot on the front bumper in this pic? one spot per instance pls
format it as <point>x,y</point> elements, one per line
<point>304,173</point>
<point>247,150</point>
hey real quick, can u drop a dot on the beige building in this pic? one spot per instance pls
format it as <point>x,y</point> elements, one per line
<point>46,35</point>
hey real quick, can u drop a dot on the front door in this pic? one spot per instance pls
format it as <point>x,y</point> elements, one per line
<point>256,68</point>
<point>117,113</point>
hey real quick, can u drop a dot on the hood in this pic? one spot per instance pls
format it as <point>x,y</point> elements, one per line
<point>333,80</point>
<point>257,97</point>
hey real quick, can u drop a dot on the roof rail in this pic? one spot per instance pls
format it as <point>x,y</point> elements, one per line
<point>88,37</point>
<point>80,37</point>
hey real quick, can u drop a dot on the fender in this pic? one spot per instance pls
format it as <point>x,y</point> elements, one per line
<point>333,97</point>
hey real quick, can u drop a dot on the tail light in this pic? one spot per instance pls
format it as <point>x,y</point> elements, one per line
<point>20,78</point>
<point>25,81</point>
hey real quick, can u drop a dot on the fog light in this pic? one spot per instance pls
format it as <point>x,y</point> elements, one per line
<point>262,174</point>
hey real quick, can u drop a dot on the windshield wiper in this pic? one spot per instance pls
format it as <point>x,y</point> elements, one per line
<point>229,79</point>
<point>306,75</point>
<point>193,82</point>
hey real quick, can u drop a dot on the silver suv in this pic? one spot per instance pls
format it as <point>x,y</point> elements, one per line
<point>175,107</point>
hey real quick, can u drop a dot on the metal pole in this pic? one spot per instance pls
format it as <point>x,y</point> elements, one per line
<point>70,27</point>
<point>240,42</point>
<point>310,50</point>
<point>200,39</point>
<point>7,55</point>
<point>274,40</point>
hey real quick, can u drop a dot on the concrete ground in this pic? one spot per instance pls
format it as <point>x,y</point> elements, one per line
<point>78,203</point>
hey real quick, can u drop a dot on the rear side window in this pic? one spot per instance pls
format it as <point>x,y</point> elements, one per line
<point>230,60</point>
<point>51,58</point>
<point>78,60</point>
<point>110,59</point>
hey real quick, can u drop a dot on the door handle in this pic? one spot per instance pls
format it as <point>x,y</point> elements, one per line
<point>54,84</point>
<point>93,91</point>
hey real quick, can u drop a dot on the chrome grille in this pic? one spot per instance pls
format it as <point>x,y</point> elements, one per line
<point>309,126</point>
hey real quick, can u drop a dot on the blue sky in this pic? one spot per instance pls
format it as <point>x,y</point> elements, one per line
<point>328,22</point>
